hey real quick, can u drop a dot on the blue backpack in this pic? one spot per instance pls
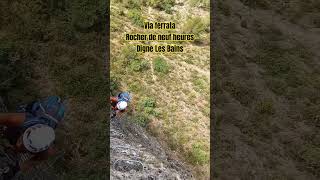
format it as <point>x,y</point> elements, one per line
<point>124,96</point>
<point>49,111</point>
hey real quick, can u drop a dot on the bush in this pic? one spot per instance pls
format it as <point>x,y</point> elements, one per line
<point>148,102</point>
<point>196,25</point>
<point>202,3</point>
<point>160,65</point>
<point>134,4</point>
<point>265,107</point>
<point>141,119</point>
<point>88,15</point>
<point>139,65</point>
<point>200,84</point>
<point>241,91</point>
<point>129,52</point>
<point>114,85</point>
<point>136,17</point>
<point>165,5</point>
<point>147,106</point>
<point>198,155</point>
<point>275,60</point>
<point>310,155</point>
<point>311,115</point>
<point>136,87</point>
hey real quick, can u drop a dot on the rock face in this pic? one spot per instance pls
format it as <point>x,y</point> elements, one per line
<point>136,155</point>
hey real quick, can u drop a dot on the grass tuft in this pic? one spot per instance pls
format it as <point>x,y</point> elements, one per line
<point>160,65</point>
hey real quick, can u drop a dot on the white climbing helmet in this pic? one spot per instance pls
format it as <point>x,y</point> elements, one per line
<point>122,105</point>
<point>38,138</point>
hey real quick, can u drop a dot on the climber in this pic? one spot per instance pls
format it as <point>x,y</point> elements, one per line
<point>120,103</point>
<point>31,130</point>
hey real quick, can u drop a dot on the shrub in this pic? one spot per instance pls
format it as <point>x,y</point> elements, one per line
<point>189,61</point>
<point>114,85</point>
<point>136,17</point>
<point>139,65</point>
<point>130,53</point>
<point>134,4</point>
<point>311,115</point>
<point>135,87</point>
<point>202,3</point>
<point>265,106</point>
<point>148,102</point>
<point>160,65</point>
<point>199,83</point>
<point>310,155</point>
<point>141,119</point>
<point>165,5</point>
<point>241,91</point>
<point>275,60</point>
<point>88,15</point>
<point>198,155</point>
<point>147,106</point>
<point>196,25</point>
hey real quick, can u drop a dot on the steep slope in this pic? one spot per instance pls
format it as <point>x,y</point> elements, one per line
<point>170,90</point>
<point>49,48</point>
<point>267,90</point>
<point>136,155</point>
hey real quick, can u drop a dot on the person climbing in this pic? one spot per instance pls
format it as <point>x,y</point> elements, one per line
<point>31,130</point>
<point>120,103</point>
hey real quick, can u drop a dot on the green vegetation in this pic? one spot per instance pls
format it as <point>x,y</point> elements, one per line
<point>139,65</point>
<point>53,50</point>
<point>130,53</point>
<point>198,155</point>
<point>146,109</point>
<point>141,119</point>
<point>202,3</point>
<point>241,91</point>
<point>196,25</point>
<point>200,83</point>
<point>114,85</point>
<point>133,4</point>
<point>135,16</point>
<point>274,77</point>
<point>167,78</point>
<point>165,5</point>
<point>160,65</point>
<point>265,106</point>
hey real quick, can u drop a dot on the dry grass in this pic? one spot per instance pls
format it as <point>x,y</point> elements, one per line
<point>179,83</point>
<point>266,100</point>
<point>55,57</point>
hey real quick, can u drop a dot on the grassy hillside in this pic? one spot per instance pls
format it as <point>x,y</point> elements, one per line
<point>170,91</point>
<point>267,90</point>
<point>48,49</point>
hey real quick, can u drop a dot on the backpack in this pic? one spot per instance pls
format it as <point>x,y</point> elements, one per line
<point>49,111</point>
<point>124,96</point>
<point>9,163</point>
